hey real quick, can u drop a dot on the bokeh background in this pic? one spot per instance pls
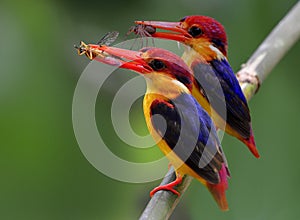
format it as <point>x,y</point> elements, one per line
<point>43,174</point>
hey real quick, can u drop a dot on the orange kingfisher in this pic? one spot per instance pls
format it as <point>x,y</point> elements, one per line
<point>187,135</point>
<point>208,61</point>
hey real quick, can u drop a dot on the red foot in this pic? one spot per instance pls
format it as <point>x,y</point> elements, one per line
<point>168,187</point>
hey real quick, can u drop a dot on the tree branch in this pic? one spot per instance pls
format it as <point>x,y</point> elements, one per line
<point>252,74</point>
<point>270,52</point>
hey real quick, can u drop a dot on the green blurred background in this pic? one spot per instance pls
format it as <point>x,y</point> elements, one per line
<point>43,172</point>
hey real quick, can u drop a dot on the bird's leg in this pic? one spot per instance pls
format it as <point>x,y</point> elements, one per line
<point>169,186</point>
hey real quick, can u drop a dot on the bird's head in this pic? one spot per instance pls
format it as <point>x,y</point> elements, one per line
<point>152,61</point>
<point>202,33</point>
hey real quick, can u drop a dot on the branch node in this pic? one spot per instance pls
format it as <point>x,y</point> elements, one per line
<point>246,77</point>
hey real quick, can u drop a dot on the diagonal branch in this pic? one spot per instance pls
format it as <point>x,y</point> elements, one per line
<point>252,74</point>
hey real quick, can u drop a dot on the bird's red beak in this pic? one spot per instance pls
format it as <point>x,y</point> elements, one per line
<point>126,59</point>
<point>176,33</point>
<point>129,59</point>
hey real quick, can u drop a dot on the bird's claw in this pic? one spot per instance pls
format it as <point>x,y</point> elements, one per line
<point>165,187</point>
<point>168,186</point>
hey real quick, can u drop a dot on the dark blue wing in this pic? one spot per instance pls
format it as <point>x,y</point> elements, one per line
<point>189,132</point>
<point>220,73</point>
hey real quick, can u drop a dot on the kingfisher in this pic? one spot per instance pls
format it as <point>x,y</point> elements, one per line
<point>206,55</point>
<point>182,129</point>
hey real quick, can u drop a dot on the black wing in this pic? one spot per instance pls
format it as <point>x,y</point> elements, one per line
<point>189,132</point>
<point>219,73</point>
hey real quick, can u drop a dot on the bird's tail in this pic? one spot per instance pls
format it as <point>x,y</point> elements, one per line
<point>250,142</point>
<point>219,190</point>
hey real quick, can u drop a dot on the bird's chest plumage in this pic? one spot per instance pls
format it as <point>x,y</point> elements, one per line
<point>148,100</point>
<point>165,94</point>
<point>158,138</point>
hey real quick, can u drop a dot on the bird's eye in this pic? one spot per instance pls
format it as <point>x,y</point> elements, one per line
<point>195,31</point>
<point>157,65</point>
